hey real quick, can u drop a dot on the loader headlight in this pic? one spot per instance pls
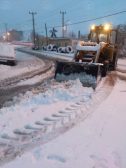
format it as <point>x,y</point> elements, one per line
<point>93,27</point>
<point>107,27</point>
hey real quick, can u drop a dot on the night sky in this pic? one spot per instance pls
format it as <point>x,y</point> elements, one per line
<point>15,13</point>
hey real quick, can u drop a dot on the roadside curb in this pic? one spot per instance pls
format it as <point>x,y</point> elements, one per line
<point>42,55</point>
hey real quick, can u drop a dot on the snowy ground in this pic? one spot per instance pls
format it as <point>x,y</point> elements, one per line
<point>31,107</point>
<point>122,64</point>
<point>97,142</point>
<point>25,63</point>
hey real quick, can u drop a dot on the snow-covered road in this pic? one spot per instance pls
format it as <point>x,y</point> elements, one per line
<point>28,66</point>
<point>25,63</point>
<point>97,142</point>
<point>28,71</point>
<point>46,112</point>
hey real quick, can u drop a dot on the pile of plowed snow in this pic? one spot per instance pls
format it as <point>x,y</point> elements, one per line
<point>87,80</point>
<point>31,107</point>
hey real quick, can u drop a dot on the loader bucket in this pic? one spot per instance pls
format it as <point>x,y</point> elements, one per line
<point>89,74</point>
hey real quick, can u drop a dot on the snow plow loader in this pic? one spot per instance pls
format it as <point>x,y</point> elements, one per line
<point>92,59</point>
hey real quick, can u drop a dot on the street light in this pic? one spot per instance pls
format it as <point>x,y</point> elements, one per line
<point>7,35</point>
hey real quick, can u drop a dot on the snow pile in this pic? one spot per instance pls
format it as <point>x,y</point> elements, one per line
<point>31,107</point>
<point>121,64</point>
<point>55,54</point>
<point>122,51</point>
<point>98,142</point>
<point>87,80</point>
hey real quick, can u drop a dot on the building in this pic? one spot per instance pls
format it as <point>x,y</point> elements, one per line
<point>15,35</point>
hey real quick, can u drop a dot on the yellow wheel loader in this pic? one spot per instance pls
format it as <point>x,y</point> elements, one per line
<point>92,59</point>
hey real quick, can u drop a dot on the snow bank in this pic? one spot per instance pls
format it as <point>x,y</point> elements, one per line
<point>98,142</point>
<point>121,64</point>
<point>31,107</point>
<point>122,51</point>
<point>66,56</point>
<point>87,80</point>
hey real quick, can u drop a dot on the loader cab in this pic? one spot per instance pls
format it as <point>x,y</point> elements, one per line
<point>100,33</point>
<point>108,54</point>
<point>103,33</point>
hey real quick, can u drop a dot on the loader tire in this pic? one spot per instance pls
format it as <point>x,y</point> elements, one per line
<point>67,69</point>
<point>104,70</point>
<point>11,63</point>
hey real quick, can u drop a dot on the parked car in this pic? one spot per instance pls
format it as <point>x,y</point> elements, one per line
<point>7,54</point>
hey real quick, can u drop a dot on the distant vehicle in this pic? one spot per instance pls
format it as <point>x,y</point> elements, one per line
<point>7,54</point>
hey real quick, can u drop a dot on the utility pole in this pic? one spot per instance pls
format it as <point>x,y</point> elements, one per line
<point>79,34</point>
<point>62,13</point>
<point>46,34</point>
<point>6,28</point>
<point>33,22</point>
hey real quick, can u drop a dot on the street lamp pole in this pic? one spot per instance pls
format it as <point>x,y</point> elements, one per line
<point>62,13</point>
<point>33,23</point>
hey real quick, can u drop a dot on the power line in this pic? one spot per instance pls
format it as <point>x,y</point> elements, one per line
<point>101,17</point>
<point>97,18</point>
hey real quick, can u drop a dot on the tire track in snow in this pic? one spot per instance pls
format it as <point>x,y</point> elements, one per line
<point>49,128</point>
<point>9,87</point>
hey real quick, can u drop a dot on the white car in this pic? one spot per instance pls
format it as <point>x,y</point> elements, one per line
<point>7,53</point>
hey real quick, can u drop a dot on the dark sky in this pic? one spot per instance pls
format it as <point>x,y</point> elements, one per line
<point>16,13</point>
